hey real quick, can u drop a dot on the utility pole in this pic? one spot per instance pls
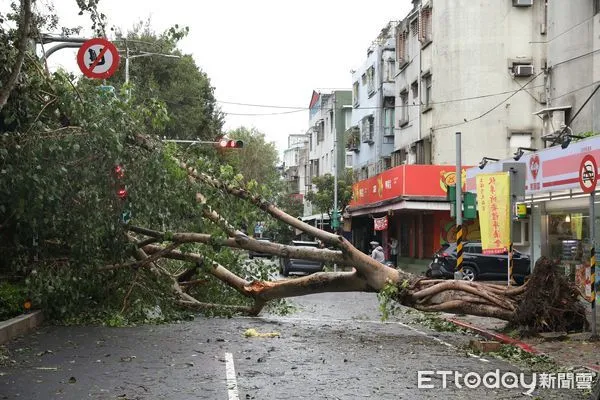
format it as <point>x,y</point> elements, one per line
<point>335,216</point>
<point>458,274</point>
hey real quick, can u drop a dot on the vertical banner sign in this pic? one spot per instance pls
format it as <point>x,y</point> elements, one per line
<point>493,195</point>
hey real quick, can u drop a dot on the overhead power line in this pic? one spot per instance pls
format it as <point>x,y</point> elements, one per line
<point>373,108</point>
<point>466,121</point>
<point>264,114</point>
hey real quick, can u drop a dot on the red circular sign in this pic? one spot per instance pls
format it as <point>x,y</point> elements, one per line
<point>588,174</point>
<point>98,58</point>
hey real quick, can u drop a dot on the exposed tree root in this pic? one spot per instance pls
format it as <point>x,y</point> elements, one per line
<point>550,303</point>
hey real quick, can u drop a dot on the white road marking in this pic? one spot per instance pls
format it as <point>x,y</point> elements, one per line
<point>232,389</point>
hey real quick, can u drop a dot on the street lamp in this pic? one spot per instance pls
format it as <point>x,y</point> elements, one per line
<point>142,54</point>
<point>485,160</point>
<point>520,151</point>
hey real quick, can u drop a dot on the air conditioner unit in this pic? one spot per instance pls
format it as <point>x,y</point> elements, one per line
<point>523,70</point>
<point>522,3</point>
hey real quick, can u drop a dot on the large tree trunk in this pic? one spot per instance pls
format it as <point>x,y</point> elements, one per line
<point>546,302</point>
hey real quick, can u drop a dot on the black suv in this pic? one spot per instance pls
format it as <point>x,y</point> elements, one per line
<point>478,266</point>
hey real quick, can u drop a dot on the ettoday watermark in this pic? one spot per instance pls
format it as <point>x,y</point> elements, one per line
<point>508,380</point>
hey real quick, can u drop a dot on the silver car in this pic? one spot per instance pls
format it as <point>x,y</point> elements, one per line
<point>297,265</point>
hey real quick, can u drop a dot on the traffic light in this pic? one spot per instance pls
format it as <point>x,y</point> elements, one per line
<point>225,143</point>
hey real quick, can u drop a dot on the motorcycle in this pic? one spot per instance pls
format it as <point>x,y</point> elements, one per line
<point>438,271</point>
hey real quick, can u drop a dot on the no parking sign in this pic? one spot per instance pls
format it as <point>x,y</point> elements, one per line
<point>98,58</point>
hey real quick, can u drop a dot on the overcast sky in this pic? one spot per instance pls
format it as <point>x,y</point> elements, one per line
<point>262,52</point>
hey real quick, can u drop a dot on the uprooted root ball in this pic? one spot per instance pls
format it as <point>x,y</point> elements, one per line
<point>550,303</point>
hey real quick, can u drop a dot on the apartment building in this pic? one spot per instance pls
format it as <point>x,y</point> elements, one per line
<point>471,66</point>
<point>328,116</point>
<point>294,157</point>
<point>370,139</point>
<point>474,67</point>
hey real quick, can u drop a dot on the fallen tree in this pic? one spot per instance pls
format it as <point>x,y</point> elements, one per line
<point>546,302</point>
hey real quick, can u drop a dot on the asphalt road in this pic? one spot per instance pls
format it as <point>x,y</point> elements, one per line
<point>334,347</point>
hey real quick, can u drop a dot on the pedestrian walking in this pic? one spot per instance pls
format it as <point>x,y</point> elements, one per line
<point>393,243</point>
<point>377,252</point>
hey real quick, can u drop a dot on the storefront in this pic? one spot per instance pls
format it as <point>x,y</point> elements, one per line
<point>408,203</point>
<point>558,225</point>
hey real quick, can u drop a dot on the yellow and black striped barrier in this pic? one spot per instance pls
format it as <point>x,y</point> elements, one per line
<point>459,248</point>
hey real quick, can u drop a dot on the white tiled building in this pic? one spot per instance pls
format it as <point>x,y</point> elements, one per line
<point>469,66</point>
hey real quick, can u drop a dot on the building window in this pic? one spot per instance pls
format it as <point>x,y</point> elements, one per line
<point>320,128</point>
<point>388,116</point>
<point>391,70</point>
<point>371,80</point>
<point>401,48</point>
<point>367,128</point>
<point>596,6</point>
<point>427,102</point>
<point>347,119</point>
<point>399,157</point>
<point>414,88</point>
<point>315,168</point>
<point>355,94</point>
<point>364,79</point>
<point>403,108</point>
<point>331,122</point>
<point>349,160</point>
<point>425,34</point>
<point>414,26</point>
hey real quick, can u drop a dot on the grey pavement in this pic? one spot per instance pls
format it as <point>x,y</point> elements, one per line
<point>334,347</point>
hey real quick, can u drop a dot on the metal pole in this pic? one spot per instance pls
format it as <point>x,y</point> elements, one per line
<point>459,233</point>
<point>512,196</point>
<point>593,261</point>
<point>335,176</point>
<point>531,238</point>
<point>127,70</point>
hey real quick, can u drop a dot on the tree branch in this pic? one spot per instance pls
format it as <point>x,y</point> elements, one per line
<point>21,48</point>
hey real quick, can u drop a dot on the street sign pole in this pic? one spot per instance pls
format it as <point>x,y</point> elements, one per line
<point>588,179</point>
<point>593,262</point>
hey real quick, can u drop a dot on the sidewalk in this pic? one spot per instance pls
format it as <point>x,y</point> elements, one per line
<point>568,350</point>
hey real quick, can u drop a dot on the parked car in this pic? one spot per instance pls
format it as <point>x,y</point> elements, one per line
<point>252,253</point>
<point>293,265</point>
<point>478,266</point>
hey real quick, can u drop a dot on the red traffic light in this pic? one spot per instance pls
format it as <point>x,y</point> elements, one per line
<point>230,144</point>
<point>122,193</point>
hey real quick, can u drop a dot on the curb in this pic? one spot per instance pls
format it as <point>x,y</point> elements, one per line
<point>507,340</point>
<point>20,325</point>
